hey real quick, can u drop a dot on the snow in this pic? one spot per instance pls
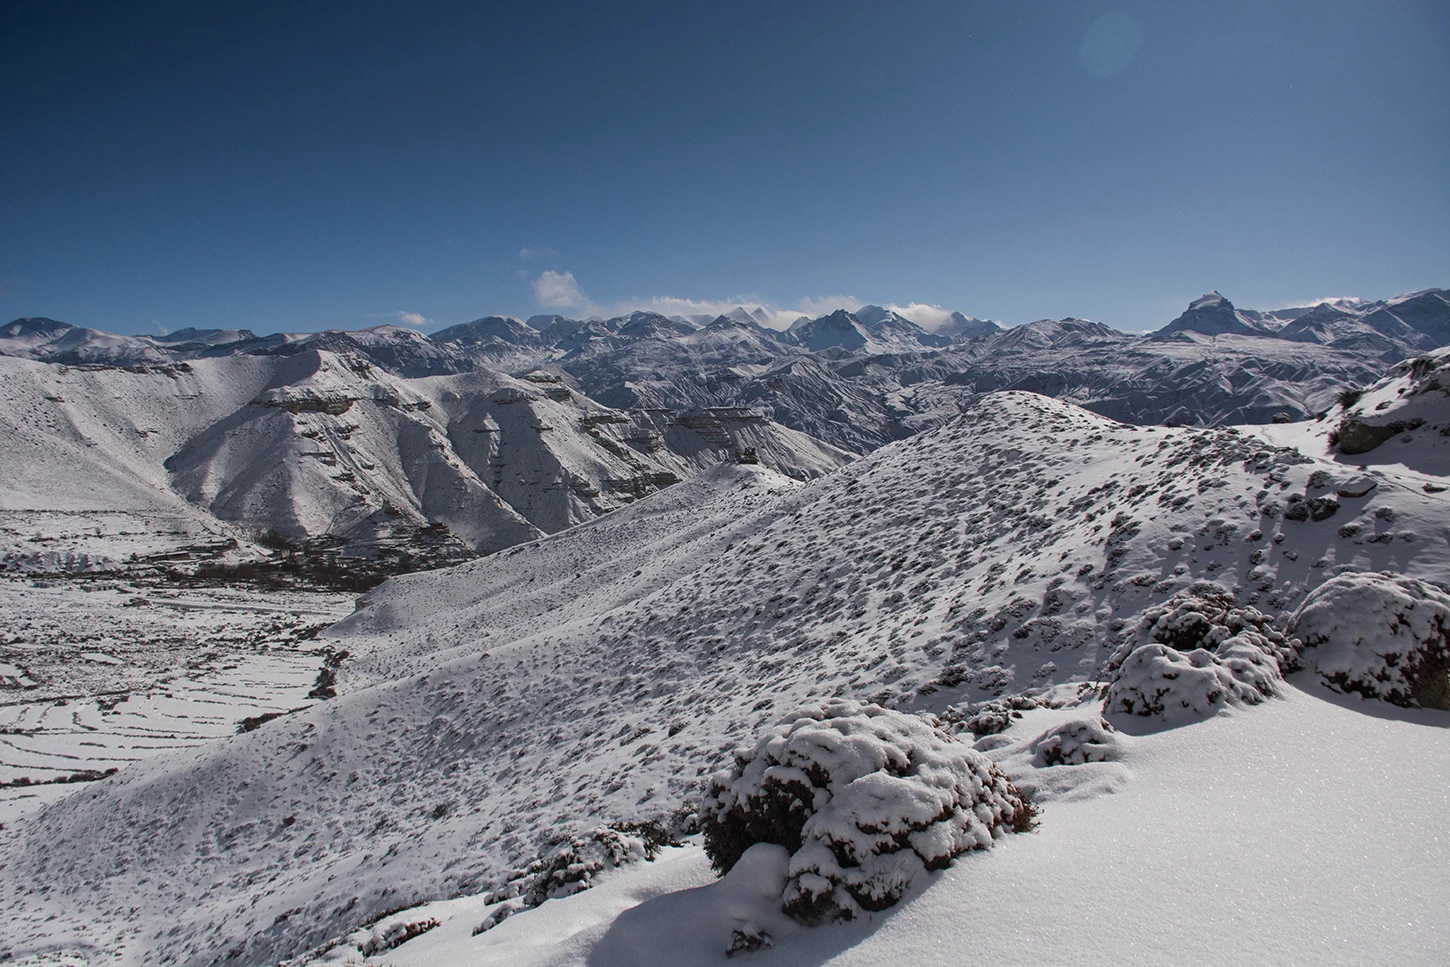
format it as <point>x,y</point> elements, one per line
<point>173,670</point>
<point>1219,849</point>
<point>512,728</point>
<point>599,675</point>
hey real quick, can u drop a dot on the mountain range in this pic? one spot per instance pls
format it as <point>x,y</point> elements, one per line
<point>493,432</point>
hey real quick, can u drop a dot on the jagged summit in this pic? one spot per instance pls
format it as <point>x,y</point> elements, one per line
<point>490,328</point>
<point>1213,315</point>
<point>839,329</point>
<point>960,326</point>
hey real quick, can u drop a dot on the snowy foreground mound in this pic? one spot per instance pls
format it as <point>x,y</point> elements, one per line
<point>494,713</point>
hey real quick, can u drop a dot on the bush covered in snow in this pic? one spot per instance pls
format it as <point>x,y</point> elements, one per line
<point>1189,657</point>
<point>1076,743</point>
<point>1382,635</point>
<point>992,716</point>
<point>864,799</point>
<point>571,865</point>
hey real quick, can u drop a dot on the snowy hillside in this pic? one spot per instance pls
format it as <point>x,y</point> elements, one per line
<point>492,711</point>
<point>314,443</point>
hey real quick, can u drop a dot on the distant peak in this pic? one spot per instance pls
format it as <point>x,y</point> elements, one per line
<point>32,325</point>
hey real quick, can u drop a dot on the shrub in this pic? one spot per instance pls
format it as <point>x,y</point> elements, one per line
<point>992,716</point>
<point>1383,635</point>
<point>1349,396</point>
<point>864,799</point>
<point>571,865</point>
<point>1076,743</point>
<point>1189,657</point>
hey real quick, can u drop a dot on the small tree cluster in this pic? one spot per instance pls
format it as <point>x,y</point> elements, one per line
<point>864,799</point>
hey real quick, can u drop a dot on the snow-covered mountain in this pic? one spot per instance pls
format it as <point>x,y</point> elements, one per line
<point>499,430</point>
<point>1399,326</point>
<point>315,443</point>
<point>1213,315</point>
<point>491,712</point>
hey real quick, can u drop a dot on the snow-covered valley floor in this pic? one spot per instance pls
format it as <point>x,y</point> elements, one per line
<point>99,673</point>
<point>1309,830</point>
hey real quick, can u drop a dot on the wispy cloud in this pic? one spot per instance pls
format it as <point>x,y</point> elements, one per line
<point>561,291</point>
<point>412,318</point>
<point>534,253</point>
<point>924,315</point>
<point>1301,303</point>
<point>159,327</point>
<point>828,304</point>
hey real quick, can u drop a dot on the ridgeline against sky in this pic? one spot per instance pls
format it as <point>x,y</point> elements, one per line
<point>304,166</point>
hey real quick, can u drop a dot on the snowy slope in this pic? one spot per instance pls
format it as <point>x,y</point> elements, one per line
<point>94,676</point>
<point>1251,810</point>
<point>313,443</point>
<point>533,695</point>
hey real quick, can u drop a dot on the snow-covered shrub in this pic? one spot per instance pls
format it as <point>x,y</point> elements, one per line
<point>1161,682</point>
<point>1204,616</point>
<point>571,865</point>
<point>992,716</point>
<point>1189,657</point>
<point>394,932</point>
<point>864,799</point>
<point>1382,635</point>
<point>1076,743</point>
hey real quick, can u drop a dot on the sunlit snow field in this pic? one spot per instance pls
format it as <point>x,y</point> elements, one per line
<point>98,674</point>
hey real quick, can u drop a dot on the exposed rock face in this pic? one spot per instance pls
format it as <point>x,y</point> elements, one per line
<point>1413,400</point>
<point>1356,436</point>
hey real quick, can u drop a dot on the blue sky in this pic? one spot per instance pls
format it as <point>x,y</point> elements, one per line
<point>311,165</point>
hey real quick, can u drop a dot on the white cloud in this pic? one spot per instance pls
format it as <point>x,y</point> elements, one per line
<point>529,254</point>
<point>559,290</point>
<point>412,318</point>
<point>1314,302</point>
<point>825,305</point>
<point>926,316</point>
<point>160,327</point>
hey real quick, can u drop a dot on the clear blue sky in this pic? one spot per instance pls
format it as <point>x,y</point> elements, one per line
<point>312,165</point>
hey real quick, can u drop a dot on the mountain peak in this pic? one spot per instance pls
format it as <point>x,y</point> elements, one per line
<point>1212,315</point>
<point>33,326</point>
